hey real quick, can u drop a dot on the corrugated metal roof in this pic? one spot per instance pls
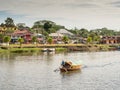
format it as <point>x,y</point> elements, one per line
<point>56,34</point>
<point>64,31</point>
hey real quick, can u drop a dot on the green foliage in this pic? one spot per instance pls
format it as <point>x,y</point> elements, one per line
<point>49,40</point>
<point>34,39</point>
<point>60,49</point>
<point>9,26</point>
<point>41,26</point>
<point>20,40</point>
<point>65,39</point>
<point>82,32</point>
<point>24,50</point>
<point>89,40</point>
<point>46,34</point>
<point>47,27</point>
<point>9,22</point>
<point>106,32</point>
<point>1,37</point>
<point>94,36</point>
<point>7,39</point>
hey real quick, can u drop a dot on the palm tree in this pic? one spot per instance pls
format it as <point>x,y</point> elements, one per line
<point>20,40</point>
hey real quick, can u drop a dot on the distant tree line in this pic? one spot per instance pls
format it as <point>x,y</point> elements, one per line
<point>46,27</point>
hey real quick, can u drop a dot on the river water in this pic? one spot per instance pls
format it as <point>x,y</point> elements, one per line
<point>100,71</point>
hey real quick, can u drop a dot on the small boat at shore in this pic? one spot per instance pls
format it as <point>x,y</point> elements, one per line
<point>69,66</point>
<point>48,50</point>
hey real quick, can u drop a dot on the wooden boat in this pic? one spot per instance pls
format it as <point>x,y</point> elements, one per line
<point>44,50</point>
<point>68,66</point>
<point>48,50</point>
<point>51,49</point>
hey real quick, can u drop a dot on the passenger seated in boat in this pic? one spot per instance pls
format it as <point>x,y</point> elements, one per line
<point>66,64</point>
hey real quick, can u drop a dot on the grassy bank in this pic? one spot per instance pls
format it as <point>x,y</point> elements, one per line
<point>24,50</point>
<point>28,50</point>
<point>20,50</point>
<point>61,48</point>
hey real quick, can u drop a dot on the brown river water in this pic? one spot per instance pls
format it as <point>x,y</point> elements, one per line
<point>100,71</point>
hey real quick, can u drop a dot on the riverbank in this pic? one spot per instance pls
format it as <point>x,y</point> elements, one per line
<point>58,47</point>
<point>28,50</point>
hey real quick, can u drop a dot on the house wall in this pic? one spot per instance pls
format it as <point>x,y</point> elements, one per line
<point>109,40</point>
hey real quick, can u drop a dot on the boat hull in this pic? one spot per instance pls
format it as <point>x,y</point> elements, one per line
<point>73,68</point>
<point>48,50</point>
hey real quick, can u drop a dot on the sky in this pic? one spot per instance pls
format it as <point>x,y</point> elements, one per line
<point>89,14</point>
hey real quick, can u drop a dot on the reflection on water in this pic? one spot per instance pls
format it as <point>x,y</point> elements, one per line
<point>40,71</point>
<point>70,73</point>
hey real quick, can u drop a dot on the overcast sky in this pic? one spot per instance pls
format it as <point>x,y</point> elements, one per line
<point>89,14</point>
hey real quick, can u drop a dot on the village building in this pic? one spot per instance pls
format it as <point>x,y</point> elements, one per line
<point>25,34</point>
<point>2,30</point>
<point>65,33</point>
<point>110,40</point>
<point>57,37</point>
<point>40,38</point>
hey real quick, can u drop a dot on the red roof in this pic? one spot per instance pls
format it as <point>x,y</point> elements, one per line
<point>21,32</point>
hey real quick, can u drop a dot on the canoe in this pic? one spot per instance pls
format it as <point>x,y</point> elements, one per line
<point>69,67</point>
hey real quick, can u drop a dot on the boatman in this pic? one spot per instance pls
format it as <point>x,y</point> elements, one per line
<point>63,63</point>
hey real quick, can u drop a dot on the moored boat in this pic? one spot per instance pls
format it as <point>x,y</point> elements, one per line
<point>48,50</point>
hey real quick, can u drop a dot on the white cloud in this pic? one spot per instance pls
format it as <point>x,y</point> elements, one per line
<point>71,13</point>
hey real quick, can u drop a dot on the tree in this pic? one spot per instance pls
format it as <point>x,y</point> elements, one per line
<point>94,36</point>
<point>9,22</point>
<point>83,33</point>
<point>42,27</point>
<point>97,39</point>
<point>7,39</point>
<point>34,40</point>
<point>89,40</point>
<point>49,40</point>
<point>22,26</point>
<point>65,39</point>
<point>75,31</point>
<point>2,25</point>
<point>1,37</point>
<point>39,26</point>
<point>8,26</point>
<point>20,40</point>
<point>47,27</point>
